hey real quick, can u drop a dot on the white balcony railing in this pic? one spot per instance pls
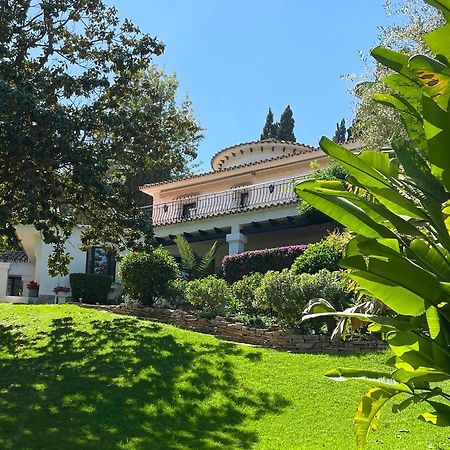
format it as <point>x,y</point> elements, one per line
<point>225,202</point>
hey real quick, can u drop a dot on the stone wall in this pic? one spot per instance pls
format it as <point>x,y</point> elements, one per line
<point>286,340</point>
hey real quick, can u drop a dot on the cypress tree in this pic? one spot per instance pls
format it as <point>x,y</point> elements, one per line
<point>286,126</point>
<point>270,129</point>
<point>340,133</point>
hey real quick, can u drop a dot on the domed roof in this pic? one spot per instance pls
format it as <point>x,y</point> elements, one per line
<point>256,151</point>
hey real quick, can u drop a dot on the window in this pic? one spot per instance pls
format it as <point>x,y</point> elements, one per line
<point>188,210</point>
<point>244,200</point>
<point>15,286</point>
<point>100,261</point>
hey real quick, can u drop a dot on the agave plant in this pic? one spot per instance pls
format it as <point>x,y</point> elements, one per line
<point>397,204</point>
<point>194,265</point>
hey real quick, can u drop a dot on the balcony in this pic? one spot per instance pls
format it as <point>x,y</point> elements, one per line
<point>231,201</point>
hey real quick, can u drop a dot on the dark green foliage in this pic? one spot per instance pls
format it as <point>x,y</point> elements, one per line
<point>90,287</point>
<point>286,126</point>
<point>278,258</point>
<point>209,294</point>
<point>270,130</point>
<point>194,266</point>
<point>325,254</point>
<point>340,133</point>
<point>146,276</point>
<point>80,115</point>
<point>287,294</point>
<point>244,293</point>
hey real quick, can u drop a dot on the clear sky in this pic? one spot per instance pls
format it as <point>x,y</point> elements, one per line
<point>235,58</point>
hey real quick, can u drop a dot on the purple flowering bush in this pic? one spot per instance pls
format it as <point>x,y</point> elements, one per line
<point>236,266</point>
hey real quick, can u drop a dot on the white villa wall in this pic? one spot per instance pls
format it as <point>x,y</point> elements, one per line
<point>78,264</point>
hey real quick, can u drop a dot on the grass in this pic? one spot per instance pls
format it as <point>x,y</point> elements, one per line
<point>72,378</point>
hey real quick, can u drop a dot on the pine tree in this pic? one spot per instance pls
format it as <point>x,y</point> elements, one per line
<point>286,126</point>
<point>340,133</point>
<point>270,129</point>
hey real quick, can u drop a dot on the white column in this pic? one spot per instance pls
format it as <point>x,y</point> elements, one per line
<point>4,270</point>
<point>236,240</point>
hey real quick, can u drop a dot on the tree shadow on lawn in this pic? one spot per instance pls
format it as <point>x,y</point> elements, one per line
<point>117,383</point>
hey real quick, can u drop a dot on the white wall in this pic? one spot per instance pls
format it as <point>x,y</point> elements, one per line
<point>78,263</point>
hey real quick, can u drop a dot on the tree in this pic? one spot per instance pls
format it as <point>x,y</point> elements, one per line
<point>152,105</point>
<point>376,125</point>
<point>270,130</point>
<point>341,132</point>
<point>397,204</point>
<point>286,127</point>
<point>70,135</point>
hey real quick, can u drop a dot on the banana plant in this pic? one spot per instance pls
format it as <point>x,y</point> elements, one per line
<point>397,204</point>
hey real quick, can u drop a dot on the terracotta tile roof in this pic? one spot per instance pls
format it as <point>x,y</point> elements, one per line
<point>254,163</point>
<point>227,213</point>
<point>264,141</point>
<point>13,256</point>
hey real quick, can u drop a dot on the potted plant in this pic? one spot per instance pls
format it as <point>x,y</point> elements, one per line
<point>61,293</point>
<point>33,288</point>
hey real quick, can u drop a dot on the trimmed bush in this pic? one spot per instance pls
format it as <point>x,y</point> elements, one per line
<point>282,293</point>
<point>287,294</point>
<point>325,254</point>
<point>209,294</point>
<point>244,293</point>
<point>236,266</point>
<point>146,276</point>
<point>90,287</point>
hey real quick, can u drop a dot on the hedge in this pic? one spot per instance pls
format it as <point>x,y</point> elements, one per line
<point>236,266</point>
<point>90,287</point>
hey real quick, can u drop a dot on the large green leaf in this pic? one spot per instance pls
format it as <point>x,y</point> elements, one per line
<point>374,377</point>
<point>368,411</point>
<point>434,77</point>
<point>372,180</point>
<point>396,281</point>
<point>418,170</point>
<point>440,416</point>
<point>418,351</point>
<point>419,375</point>
<point>439,41</point>
<point>396,61</point>
<point>433,258</point>
<point>381,162</point>
<point>398,102</point>
<point>340,209</point>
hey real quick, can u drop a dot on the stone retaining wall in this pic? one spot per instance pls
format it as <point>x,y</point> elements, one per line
<point>286,340</point>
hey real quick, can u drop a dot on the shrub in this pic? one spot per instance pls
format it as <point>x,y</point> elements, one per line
<point>90,287</point>
<point>325,254</point>
<point>281,292</point>
<point>244,293</point>
<point>209,294</point>
<point>287,293</point>
<point>236,266</point>
<point>146,276</point>
<point>176,293</point>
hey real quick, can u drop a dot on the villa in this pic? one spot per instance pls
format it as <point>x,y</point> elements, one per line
<point>246,202</point>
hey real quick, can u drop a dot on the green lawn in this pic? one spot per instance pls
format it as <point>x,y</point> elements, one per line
<point>72,378</point>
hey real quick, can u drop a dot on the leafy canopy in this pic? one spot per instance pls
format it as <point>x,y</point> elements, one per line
<point>80,116</point>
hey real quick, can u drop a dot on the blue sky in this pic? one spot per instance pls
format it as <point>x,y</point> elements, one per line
<point>235,58</point>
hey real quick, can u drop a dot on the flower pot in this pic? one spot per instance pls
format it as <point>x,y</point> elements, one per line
<point>61,297</point>
<point>33,292</point>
